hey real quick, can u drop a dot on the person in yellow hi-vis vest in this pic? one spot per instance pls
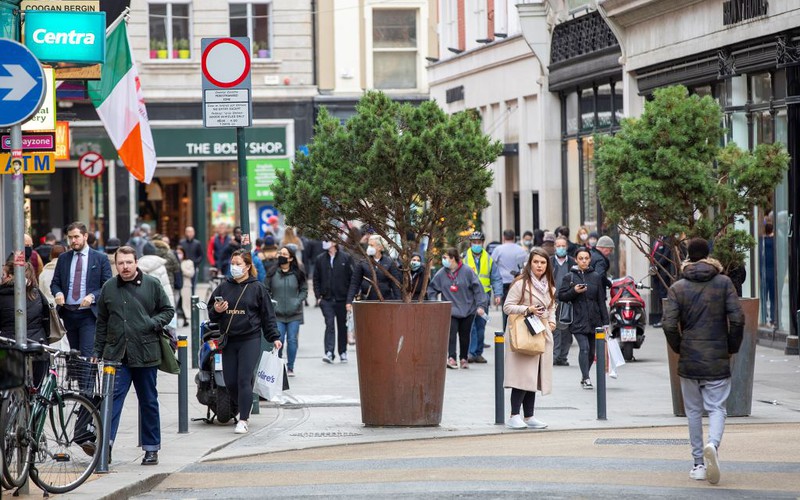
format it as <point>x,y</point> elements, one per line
<point>489,275</point>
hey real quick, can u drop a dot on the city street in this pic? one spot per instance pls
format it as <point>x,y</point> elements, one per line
<point>315,444</point>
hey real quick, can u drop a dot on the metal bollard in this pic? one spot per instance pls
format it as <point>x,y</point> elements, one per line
<point>109,377</point>
<point>499,393</point>
<point>600,352</point>
<point>183,387</point>
<point>195,326</point>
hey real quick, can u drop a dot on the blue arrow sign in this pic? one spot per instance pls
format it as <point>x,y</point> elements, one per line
<point>22,83</point>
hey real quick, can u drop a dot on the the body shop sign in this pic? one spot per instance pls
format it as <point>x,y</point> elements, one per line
<point>209,143</point>
<point>66,37</point>
<point>262,174</point>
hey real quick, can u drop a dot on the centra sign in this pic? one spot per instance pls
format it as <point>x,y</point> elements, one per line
<point>66,37</point>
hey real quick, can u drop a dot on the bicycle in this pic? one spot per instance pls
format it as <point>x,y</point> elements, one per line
<point>51,431</point>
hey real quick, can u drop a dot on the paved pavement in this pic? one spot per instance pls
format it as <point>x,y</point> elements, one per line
<point>322,410</point>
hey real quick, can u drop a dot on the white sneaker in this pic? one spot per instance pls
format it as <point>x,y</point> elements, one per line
<point>533,423</point>
<point>241,427</point>
<point>698,472</point>
<point>613,374</point>
<point>516,422</point>
<point>712,463</point>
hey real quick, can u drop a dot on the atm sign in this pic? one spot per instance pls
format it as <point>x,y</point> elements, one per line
<point>32,163</point>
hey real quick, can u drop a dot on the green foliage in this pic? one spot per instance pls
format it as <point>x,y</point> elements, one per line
<point>396,168</point>
<point>665,173</point>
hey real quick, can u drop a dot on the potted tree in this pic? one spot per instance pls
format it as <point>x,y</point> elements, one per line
<point>410,174</point>
<point>666,176</point>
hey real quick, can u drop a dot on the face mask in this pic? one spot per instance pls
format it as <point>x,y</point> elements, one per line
<point>592,242</point>
<point>28,253</point>
<point>326,245</point>
<point>282,260</point>
<point>527,243</point>
<point>584,237</point>
<point>561,251</point>
<point>446,263</point>
<point>415,266</point>
<point>136,240</point>
<point>371,251</point>
<point>237,272</point>
<point>477,248</point>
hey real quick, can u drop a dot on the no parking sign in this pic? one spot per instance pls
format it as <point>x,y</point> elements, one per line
<point>264,213</point>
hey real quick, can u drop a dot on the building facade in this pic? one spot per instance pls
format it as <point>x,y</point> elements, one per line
<point>607,57</point>
<point>485,64</point>
<point>373,44</point>
<point>196,180</point>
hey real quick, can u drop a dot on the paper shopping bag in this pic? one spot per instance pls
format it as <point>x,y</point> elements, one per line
<point>615,357</point>
<point>269,377</point>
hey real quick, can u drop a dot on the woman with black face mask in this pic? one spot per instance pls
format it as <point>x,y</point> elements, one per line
<point>288,287</point>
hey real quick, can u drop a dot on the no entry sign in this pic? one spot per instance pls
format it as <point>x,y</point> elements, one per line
<point>225,65</point>
<point>91,164</point>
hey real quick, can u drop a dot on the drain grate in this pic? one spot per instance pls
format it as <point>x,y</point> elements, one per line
<point>327,434</point>
<point>641,442</point>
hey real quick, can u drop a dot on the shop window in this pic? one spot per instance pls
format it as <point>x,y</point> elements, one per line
<point>572,113</point>
<point>604,106</point>
<point>587,110</point>
<point>449,25</point>
<point>619,106</point>
<point>394,48</point>
<point>589,197</point>
<point>252,19</point>
<point>170,36</point>
<point>761,86</point>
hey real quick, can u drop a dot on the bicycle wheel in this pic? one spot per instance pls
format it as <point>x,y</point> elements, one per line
<point>14,426</point>
<point>62,456</point>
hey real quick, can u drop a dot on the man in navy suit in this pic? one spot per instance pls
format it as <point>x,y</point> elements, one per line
<point>79,275</point>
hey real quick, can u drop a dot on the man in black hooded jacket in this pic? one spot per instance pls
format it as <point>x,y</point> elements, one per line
<point>703,322</point>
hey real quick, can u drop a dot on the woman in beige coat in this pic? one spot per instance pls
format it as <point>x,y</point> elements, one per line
<point>532,292</point>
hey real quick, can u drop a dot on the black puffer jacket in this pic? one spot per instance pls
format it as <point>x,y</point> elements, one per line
<point>703,321</point>
<point>589,309</point>
<point>362,270</point>
<point>38,325</point>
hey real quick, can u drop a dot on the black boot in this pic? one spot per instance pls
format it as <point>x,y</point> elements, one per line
<point>150,458</point>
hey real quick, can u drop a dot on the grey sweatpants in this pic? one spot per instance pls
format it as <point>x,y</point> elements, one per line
<point>713,395</point>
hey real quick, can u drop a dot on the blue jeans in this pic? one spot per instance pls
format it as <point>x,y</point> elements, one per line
<point>478,335</point>
<point>290,328</point>
<point>144,381</point>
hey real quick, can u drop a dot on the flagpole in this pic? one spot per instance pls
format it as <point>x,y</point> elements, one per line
<point>122,17</point>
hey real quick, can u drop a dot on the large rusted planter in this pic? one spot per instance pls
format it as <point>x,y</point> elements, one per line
<point>740,401</point>
<point>402,349</point>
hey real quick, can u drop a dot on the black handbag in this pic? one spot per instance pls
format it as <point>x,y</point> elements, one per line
<point>564,313</point>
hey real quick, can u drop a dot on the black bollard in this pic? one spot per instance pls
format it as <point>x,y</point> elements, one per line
<point>499,393</point>
<point>109,376</point>
<point>195,326</point>
<point>600,351</point>
<point>183,387</point>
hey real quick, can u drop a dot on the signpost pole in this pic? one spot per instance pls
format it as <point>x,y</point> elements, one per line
<point>18,239</point>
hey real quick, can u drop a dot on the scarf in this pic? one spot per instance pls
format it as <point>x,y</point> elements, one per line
<point>540,284</point>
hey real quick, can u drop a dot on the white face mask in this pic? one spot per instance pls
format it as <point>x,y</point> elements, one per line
<point>371,251</point>
<point>237,272</point>
<point>326,245</point>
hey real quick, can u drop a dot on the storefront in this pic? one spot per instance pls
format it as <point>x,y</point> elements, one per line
<point>749,63</point>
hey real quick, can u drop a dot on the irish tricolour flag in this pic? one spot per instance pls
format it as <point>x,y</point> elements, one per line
<point>120,105</point>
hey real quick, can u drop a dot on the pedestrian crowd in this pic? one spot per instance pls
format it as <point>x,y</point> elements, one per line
<point>116,301</point>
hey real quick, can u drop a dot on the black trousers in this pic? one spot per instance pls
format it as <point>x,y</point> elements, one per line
<point>462,327</point>
<point>335,314</point>
<point>526,399</point>
<point>239,361</point>
<point>506,288</point>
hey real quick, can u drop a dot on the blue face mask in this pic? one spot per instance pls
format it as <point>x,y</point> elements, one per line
<point>477,248</point>
<point>446,263</point>
<point>561,251</point>
<point>415,265</point>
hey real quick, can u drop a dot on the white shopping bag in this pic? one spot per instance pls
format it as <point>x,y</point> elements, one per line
<point>269,377</point>
<point>614,354</point>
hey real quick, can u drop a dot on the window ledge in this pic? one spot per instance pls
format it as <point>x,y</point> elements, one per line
<point>266,63</point>
<point>177,63</point>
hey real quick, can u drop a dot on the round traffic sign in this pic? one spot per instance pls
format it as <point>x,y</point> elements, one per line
<point>91,164</point>
<point>22,83</point>
<point>225,62</point>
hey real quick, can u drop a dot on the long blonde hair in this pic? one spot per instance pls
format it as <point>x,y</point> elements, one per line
<point>290,238</point>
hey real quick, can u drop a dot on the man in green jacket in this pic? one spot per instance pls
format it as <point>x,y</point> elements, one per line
<point>133,309</point>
